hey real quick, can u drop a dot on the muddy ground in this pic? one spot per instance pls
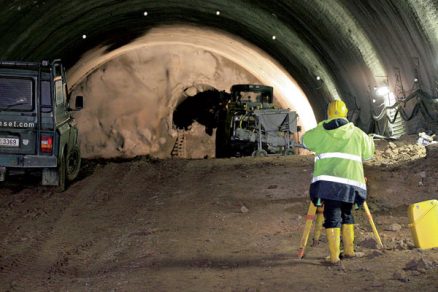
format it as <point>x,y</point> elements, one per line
<point>205,225</point>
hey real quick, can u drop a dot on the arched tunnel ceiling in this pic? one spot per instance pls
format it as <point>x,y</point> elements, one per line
<point>352,46</point>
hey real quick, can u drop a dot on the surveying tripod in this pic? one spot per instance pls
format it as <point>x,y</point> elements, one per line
<point>315,213</point>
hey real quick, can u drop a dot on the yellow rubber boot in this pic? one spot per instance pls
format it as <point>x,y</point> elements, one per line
<point>348,239</point>
<point>334,242</point>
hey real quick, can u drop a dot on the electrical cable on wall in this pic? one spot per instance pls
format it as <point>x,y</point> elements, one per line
<point>400,108</point>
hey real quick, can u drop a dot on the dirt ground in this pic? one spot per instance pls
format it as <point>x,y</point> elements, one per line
<point>205,225</point>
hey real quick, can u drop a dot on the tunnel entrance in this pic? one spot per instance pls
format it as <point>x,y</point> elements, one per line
<point>203,107</point>
<point>208,108</point>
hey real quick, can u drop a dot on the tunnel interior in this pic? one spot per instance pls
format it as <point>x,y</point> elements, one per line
<point>132,62</point>
<point>154,73</point>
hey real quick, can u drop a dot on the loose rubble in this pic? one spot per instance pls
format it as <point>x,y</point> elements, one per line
<point>393,227</point>
<point>394,152</point>
<point>401,276</point>
<point>421,264</point>
<point>369,243</point>
<point>399,244</point>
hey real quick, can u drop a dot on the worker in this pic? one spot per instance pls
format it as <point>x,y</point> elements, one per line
<point>338,178</point>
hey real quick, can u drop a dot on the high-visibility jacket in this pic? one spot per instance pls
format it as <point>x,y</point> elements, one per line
<point>338,172</point>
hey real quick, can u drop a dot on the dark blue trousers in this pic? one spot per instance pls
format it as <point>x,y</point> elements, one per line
<point>337,213</point>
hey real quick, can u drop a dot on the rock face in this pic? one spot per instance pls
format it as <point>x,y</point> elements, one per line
<point>131,99</point>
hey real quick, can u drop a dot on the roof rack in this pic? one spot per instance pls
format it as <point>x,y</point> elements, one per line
<point>252,87</point>
<point>16,64</point>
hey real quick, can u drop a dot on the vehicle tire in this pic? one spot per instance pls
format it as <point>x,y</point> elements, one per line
<point>73,163</point>
<point>62,172</point>
<point>260,153</point>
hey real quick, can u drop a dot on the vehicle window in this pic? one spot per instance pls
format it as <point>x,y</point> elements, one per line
<point>59,92</point>
<point>16,94</point>
<point>46,97</point>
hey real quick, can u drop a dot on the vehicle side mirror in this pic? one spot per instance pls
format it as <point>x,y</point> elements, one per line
<point>79,102</point>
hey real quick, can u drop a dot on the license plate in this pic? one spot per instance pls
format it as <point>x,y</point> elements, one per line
<point>9,142</point>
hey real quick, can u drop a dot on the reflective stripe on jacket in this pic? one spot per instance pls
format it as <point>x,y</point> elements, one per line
<point>339,152</point>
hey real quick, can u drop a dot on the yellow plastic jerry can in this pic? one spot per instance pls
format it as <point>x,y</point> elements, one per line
<point>423,218</point>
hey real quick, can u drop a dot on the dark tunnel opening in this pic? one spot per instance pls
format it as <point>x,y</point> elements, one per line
<point>208,108</point>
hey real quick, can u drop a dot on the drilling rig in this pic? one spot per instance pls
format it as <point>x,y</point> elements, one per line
<point>253,126</point>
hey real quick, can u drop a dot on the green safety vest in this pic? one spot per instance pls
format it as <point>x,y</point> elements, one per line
<point>339,153</point>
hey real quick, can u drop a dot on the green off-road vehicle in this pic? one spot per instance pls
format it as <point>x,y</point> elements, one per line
<point>37,130</point>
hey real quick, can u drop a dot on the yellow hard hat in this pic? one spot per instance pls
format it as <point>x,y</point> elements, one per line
<point>337,109</point>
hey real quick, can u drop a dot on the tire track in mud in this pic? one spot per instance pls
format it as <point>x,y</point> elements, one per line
<point>66,242</point>
<point>137,238</point>
<point>119,195</point>
<point>33,261</point>
<point>23,232</point>
<point>109,214</point>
